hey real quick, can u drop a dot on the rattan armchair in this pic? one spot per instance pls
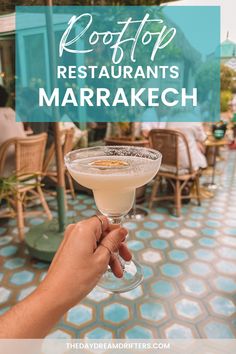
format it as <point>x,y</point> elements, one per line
<point>49,169</point>
<point>167,142</point>
<point>29,156</point>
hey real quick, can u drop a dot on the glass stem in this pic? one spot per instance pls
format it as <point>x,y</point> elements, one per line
<point>117,220</point>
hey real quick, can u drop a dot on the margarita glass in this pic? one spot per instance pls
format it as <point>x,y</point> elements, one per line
<point>114,173</point>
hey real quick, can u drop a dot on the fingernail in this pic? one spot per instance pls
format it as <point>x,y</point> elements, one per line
<point>122,232</point>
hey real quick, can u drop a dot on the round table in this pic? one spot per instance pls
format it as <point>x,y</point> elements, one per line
<point>215,143</point>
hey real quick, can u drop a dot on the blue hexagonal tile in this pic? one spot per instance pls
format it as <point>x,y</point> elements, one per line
<point>217,216</point>
<point>130,225</point>
<point>171,270</point>
<point>228,240</point>
<point>226,267</point>
<point>213,223</point>
<point>14,263</point>
<point>138,332</point>
<point>21,278</point>
<point>226,252</point>
<point>4,240</point>
<point>194,224</point>
<point>210,232</point>
<point>4,309</point>
<point>40,265</point>
<point>147,272</point>
<point>160,244</point>
<point>165,233</point>
<point>216,330</point>
<point>225,284</point>
<point>116,313</point>
<point>4,294</point>
<point>163,288</point>
<point>2,230</point>
<point>204,254</point>
<point>156,217</point>
<point>178,255</point>
<point>8,251</point>
<point>183,243</point>
<point>222,306</point>
<point>133,294</point>
<point>151,225</point>
<point>72,213</point>
<point>230,231</point>
<point>196,216</point>
<point>99,333</point>
<point>79,315</point>
<point>188,233</point>
<point>188,308</point>
<point>135,245</point>
<point>98,295</point>
<point>207,242</point>
<point>152,311</point>
<point>58,334</point>
<point>88,201</point>
<point>36,221</point>
<point>171,224</point>
<point>178,331</point>
<point>88,213</point>
<point>200,268</point>
<point>143,234</point>
<point>80,207</point>
<point>151,256</point>
<point>194,286</point>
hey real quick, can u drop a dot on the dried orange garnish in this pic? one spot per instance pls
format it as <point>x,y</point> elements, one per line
<point>109,163</point>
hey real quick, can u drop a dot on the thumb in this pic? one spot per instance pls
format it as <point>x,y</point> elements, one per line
<point>111,242</point>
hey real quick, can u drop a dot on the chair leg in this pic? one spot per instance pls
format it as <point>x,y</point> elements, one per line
<point>20,217</point>
<point>44,203</point>
<point>198,192</point>
<point>177,198</point>
<point>71,186</point>
<point>154,191</point>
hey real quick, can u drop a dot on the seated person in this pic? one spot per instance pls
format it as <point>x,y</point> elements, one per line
<point>9,129</point>
<point>68,121</point>
<point>196,136</point>
<point>27,106</point>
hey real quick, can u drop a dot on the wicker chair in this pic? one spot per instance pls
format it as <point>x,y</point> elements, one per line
<point>29,155</point>
<point>167,142</point>
<point>49,169</point>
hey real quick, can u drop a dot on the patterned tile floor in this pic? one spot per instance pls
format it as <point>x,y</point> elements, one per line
<point>189,265</point>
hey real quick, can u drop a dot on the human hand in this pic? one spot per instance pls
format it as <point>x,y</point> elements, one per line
<point>82,258</point>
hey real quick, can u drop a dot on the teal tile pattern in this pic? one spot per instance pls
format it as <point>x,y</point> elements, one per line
<point>189,266</point>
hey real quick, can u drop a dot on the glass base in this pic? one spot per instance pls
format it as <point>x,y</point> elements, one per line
<point>137,213</point>
<point>132,277</point>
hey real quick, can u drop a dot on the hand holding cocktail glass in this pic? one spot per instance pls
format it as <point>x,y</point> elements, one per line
<point>114,173</point>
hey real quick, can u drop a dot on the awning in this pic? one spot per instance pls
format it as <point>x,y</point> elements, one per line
<point>7,24</point>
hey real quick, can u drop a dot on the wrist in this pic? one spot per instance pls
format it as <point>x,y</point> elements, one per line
<point>51,300</point>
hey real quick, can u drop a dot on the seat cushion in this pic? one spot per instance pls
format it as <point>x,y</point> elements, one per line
<point>173,169</point>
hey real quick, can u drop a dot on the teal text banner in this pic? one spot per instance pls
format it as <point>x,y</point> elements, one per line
<point>118,63</point>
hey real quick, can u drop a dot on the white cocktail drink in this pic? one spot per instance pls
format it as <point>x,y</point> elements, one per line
<point>113,173</point>
<point>113,180</point>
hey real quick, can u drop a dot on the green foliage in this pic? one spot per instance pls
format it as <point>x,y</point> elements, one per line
<point>225,98</point>
<point>9,185</point>
<point>226,78</point>
<point>9,6</point>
